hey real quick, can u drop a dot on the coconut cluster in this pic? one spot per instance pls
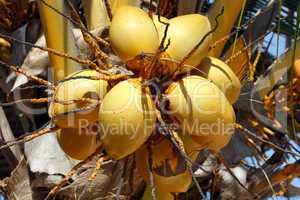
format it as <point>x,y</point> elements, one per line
<point>194,95</point>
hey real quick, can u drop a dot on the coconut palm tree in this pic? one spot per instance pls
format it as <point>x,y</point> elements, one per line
<point>258,40</point>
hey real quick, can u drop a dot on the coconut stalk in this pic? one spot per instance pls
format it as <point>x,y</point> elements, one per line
<point>96,11</point>
<point>59,36</point>
<point>226,21</point>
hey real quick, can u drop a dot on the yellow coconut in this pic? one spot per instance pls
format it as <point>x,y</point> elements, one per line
<point>297,68</point>
<point>221,74</point>
<point>185,32</point>
<point>127,118</point>
<point>78,143</point>
<point>216,141</point>
<point>170,173</point>
<point>96,14</point>
<point>201,108</point>
<point>68,113</point>
<point>132,32</point>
